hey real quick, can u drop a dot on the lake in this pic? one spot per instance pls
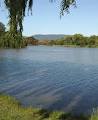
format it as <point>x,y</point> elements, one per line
<point>54,78</point>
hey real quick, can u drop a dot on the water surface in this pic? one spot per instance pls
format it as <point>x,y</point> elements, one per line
<point>55,78</point>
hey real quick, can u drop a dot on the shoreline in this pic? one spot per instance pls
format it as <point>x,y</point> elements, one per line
<point>12,109</point>
<point>71,46</point>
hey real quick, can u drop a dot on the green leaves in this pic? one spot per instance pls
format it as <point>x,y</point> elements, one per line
<point>17,8</point>
<point>2,28</point>
<point>10,40</point>
<point>65,5</point>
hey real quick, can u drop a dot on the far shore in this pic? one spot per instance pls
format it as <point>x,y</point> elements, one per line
<point>69,46</point>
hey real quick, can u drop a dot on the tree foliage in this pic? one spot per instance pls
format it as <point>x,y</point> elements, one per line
<point>76,40</point>
<point>7,40</point>
<point>16,10</point>
<point>2,28</point>
<point>65,5</point>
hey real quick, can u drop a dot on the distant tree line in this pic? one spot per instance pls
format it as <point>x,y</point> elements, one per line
<point>7,40</point>
<point>76,40</point>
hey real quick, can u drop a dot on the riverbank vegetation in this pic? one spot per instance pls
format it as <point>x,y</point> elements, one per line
<point>12,40</point>
<point>77,40</point>
<point>11,109</point>
<point>8,40</point>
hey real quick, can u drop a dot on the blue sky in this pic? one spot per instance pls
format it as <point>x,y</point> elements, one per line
<point>46,20</point>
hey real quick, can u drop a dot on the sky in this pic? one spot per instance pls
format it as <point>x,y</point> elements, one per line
<point>46,18</point>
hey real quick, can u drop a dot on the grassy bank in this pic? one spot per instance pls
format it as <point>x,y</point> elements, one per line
<point>11,109</point>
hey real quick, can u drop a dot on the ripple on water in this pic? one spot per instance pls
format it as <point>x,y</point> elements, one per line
<point>51,77</point>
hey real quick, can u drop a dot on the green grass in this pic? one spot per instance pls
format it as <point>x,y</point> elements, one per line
<point>94,115</point>
<point>11,109</point>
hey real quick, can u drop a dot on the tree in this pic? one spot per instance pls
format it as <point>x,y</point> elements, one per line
<point>65,5</point>
<point>17,8</point>
<point>2,28</point>
<point>93,40</point>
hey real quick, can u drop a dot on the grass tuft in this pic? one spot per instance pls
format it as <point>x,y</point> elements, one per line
<point>11,109</point>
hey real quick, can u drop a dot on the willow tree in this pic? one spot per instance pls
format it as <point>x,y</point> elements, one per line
<point>2,28</point>
<point>17,8</point>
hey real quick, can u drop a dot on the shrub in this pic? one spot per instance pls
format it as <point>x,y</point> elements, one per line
<point>8,40</point>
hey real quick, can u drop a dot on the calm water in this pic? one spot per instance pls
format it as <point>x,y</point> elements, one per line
<point>55,78</point>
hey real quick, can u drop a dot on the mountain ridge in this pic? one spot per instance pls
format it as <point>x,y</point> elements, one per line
<point>48,36</point>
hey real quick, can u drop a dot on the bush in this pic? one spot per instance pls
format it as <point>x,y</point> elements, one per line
<point>8,40</point>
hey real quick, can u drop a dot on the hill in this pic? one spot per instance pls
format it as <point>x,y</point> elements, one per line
<point>48,36</point>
